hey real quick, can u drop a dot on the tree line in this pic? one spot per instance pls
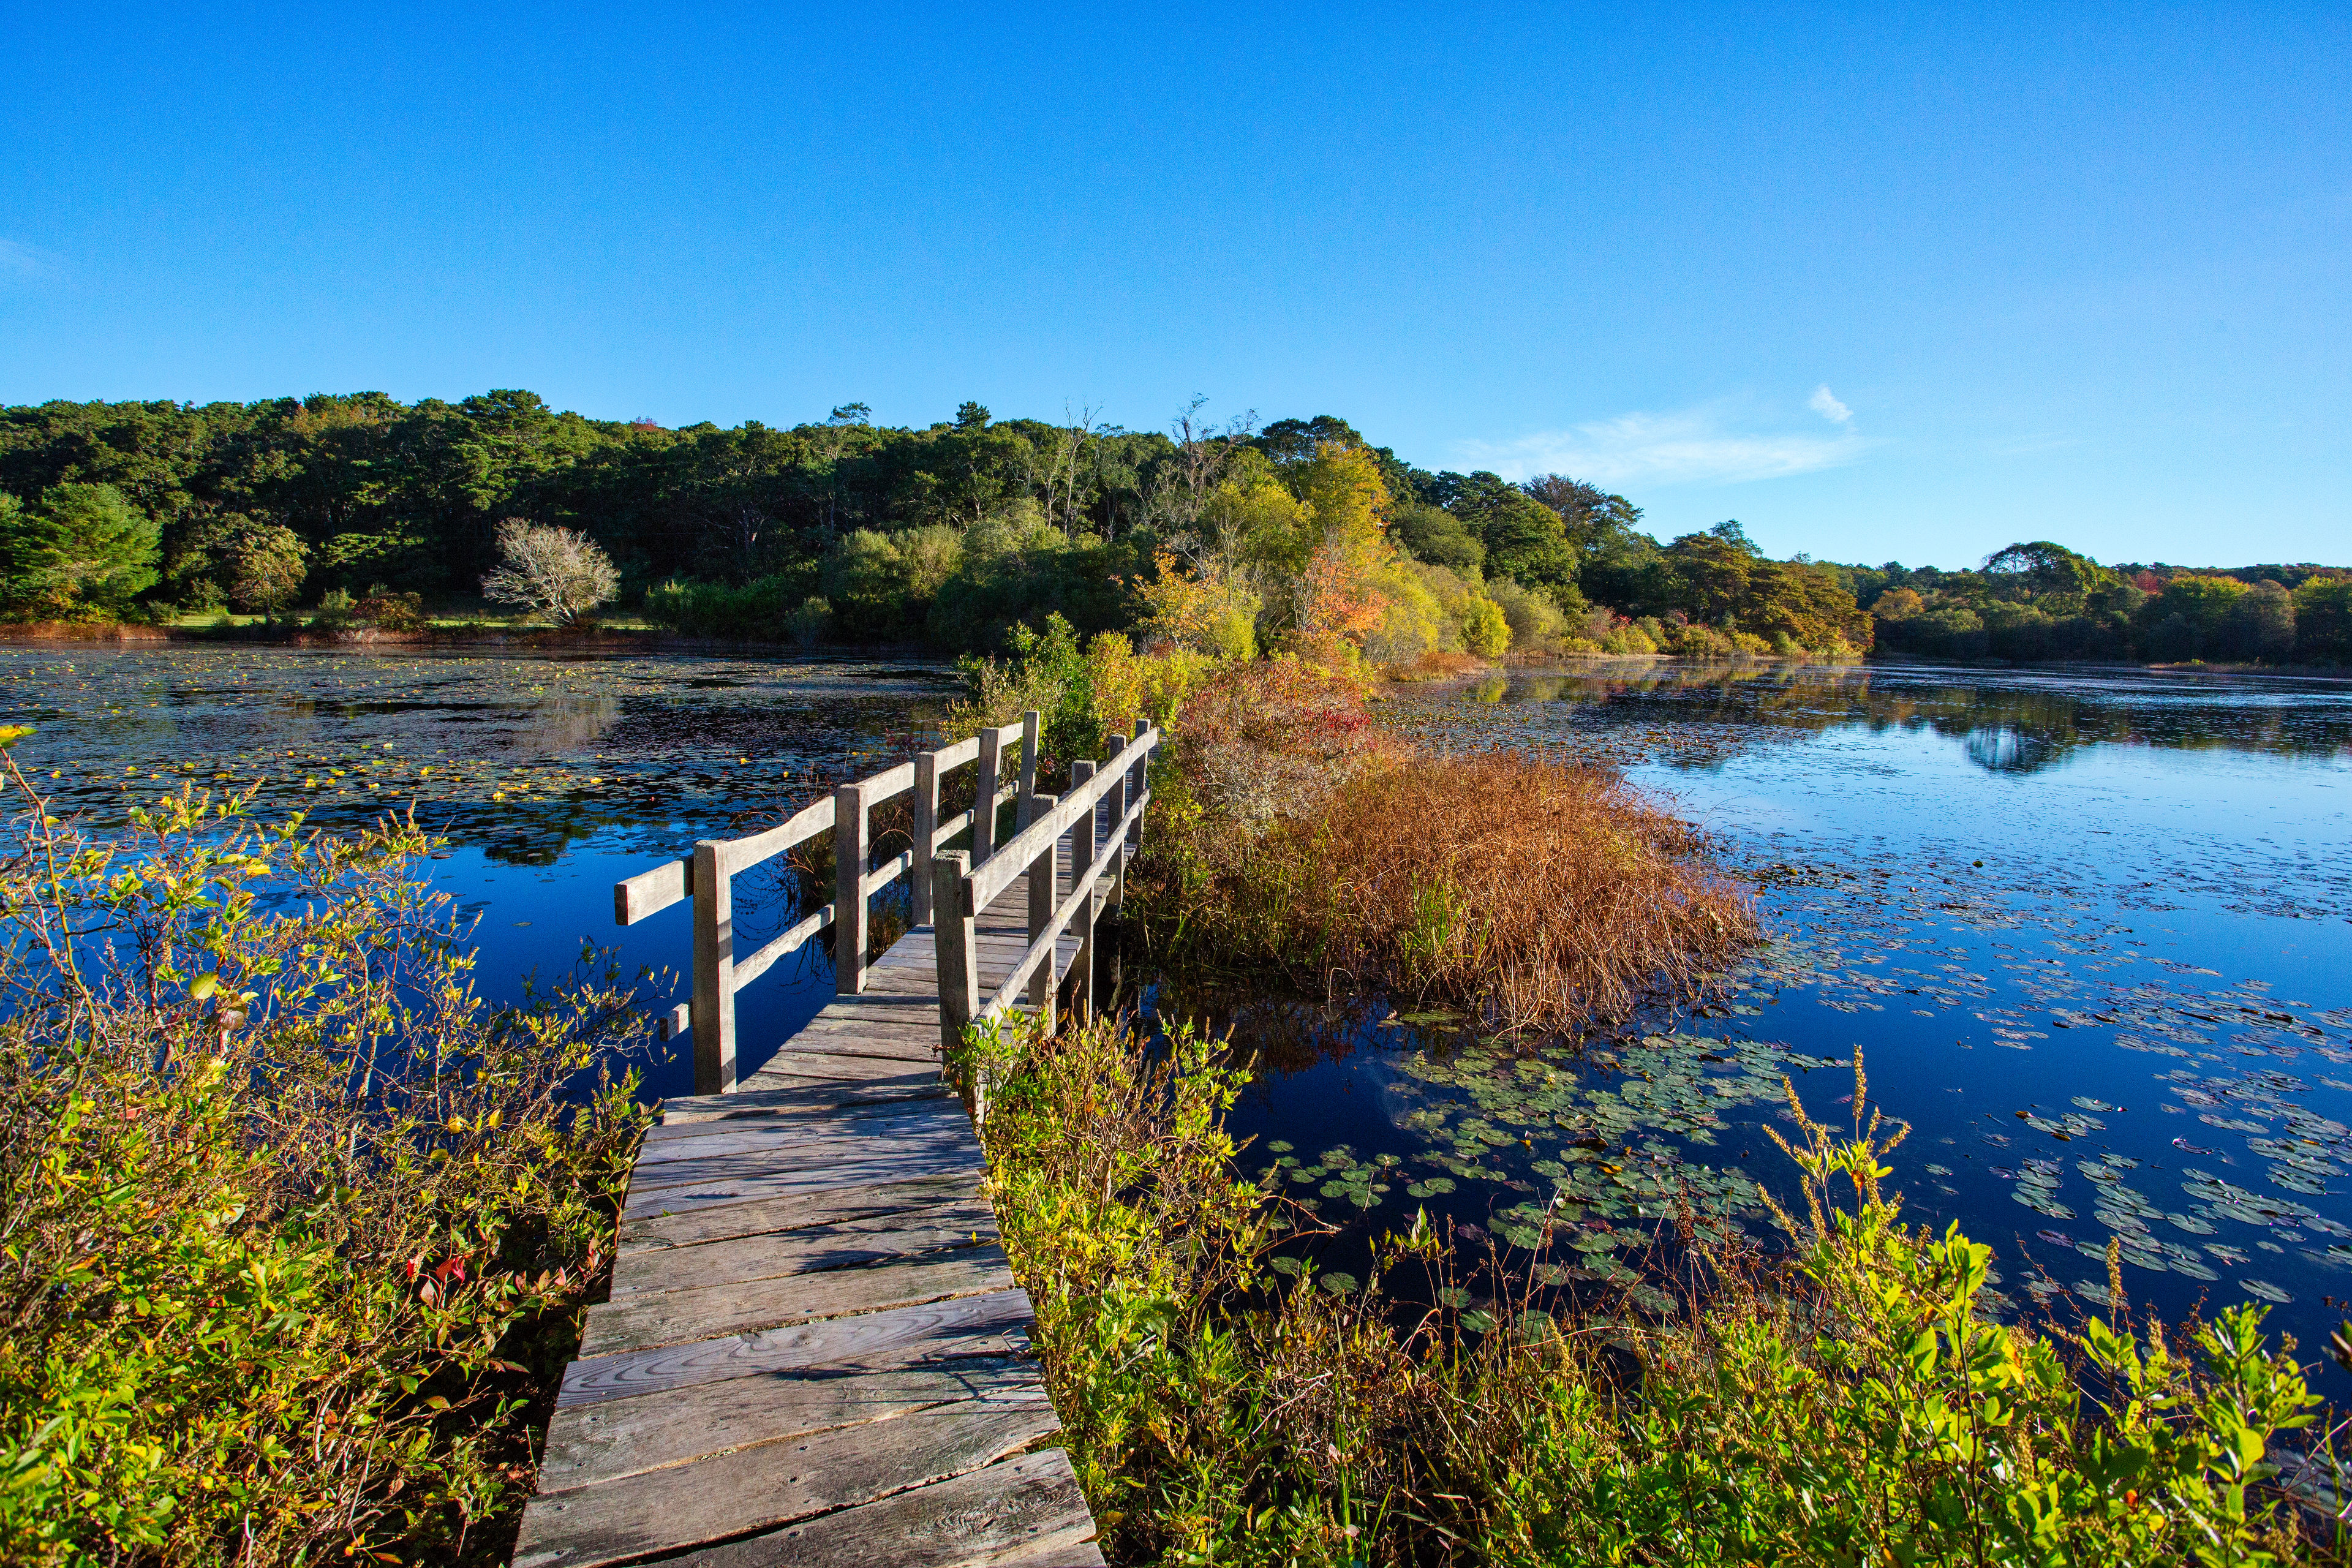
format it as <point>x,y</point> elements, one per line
<point>847,532</point>
<point>2042,601</point>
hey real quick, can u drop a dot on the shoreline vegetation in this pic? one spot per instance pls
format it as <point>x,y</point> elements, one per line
<point>299,1230</point>
<point>336,514</point>
<point>1845,1397</point>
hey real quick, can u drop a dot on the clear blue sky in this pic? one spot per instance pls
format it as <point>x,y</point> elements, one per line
<point>1878,286</point>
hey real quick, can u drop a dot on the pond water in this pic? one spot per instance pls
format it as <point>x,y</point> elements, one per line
<point>2092,930</point>
<point>552,777</point>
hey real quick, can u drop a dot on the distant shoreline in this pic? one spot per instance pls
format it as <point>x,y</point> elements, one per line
<point>366,639</point>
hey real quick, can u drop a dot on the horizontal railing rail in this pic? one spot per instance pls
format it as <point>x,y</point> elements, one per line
<point>706,874</point>
<point>1101,815</point>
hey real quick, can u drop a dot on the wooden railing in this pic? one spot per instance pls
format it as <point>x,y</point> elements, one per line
<point>707,875</point>
<point>1102,815</point>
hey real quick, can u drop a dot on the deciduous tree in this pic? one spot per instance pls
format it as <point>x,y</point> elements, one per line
<point>552,572</point>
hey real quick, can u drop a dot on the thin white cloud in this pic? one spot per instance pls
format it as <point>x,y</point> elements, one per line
<point>1695,445</point>
<point>1824,403</point>
<point>18,259</point>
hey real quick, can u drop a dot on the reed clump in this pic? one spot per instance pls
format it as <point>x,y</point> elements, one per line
<point>1537,892</point>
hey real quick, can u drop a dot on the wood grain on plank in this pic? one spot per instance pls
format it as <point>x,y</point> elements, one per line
<point>886,1045</point>
<point>794,1211</point>
<point>955,1329</point>
<point>1031,1504</point>
<point>708,1312</point>
<point>834,1176</point>
<point>774,1483</point>
<point>782,1158</point>
<point>646,1270</point>
<point>593,1443</point>
<point>921,1119</point>
<point>790,1067</point>
<point>851,1113</point>
<point>804,1096</point>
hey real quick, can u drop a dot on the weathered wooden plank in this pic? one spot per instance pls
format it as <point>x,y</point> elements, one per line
<point>942,1117</point>
<point>790,1069</point>
<point>816,1096</point>
<point>834,1177</point>
<point>827,1111</point>
<point>860,1020</point>
<point>869,1238</point>
<point>708,1312</point>
<point>1048,1553</point>
<point>916,1140</point>
<point>821,1032</point>
<point>774,1483</point>
<point>890,1043</point>
<point>954,1329</point>
<point>874,1002</point>
<point>1027,1510</point>
<point>794,1211</point>
<point>596,1442</point>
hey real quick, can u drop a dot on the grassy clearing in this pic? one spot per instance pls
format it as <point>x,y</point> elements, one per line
<point>1844,1401</point>
<point>296,1227</point>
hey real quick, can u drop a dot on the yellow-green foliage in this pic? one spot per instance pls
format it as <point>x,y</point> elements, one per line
<point>1843,1402</point>
<point>288,1208</point>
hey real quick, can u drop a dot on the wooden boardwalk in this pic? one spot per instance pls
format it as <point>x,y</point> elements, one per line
<point>815,1351</point>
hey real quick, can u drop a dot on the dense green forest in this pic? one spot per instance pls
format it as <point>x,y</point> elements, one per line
<point>2041,601</point>
<point>847,532</point>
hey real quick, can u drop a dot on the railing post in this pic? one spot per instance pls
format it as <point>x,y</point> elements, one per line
<point>1045,882</point>
<point>1115,798</point>
<point>713,1009</point>
<point>984,799</point>
<point>959,964</point>
<point>1138,779</point>
<point>927,827</point>
<point>1085,843</point>
<point>1032,727</point>
<point>849,857</point>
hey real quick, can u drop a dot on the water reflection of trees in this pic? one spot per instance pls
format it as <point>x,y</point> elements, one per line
<point>567,722</point>
<point>2005,723</point>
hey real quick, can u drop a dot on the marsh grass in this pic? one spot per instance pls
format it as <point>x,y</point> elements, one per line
<point>1842,1399</point>
<point>294,1225</point>
<point>1540,895</point>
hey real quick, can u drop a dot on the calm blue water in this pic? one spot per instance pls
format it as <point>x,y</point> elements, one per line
<point>550,777</point>
<point>2117,903</point>
<point>2153,962</point>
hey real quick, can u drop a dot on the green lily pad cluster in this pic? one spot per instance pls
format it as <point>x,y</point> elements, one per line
<point>1599,1141</point>
<point>1337,1174</point>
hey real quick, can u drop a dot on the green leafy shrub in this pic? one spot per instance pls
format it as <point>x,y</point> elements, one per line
<point>296,1226</point>
<point>758,610</point>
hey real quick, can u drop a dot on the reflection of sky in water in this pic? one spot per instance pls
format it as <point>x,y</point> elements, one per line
<point>2150,963</point>
<point>551,776</point>
<point>2134,829</point>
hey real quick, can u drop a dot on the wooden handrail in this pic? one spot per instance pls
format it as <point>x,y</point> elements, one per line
<point>1013,859</point>
<point>968,882</point>
<point>705,876</point>
<point>962,889</point>
<point>1081,889</point>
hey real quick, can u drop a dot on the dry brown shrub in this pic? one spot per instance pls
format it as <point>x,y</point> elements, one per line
<point>1538,893</point>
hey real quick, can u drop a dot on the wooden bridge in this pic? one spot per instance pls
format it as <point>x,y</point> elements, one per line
<point>815,1351</point>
